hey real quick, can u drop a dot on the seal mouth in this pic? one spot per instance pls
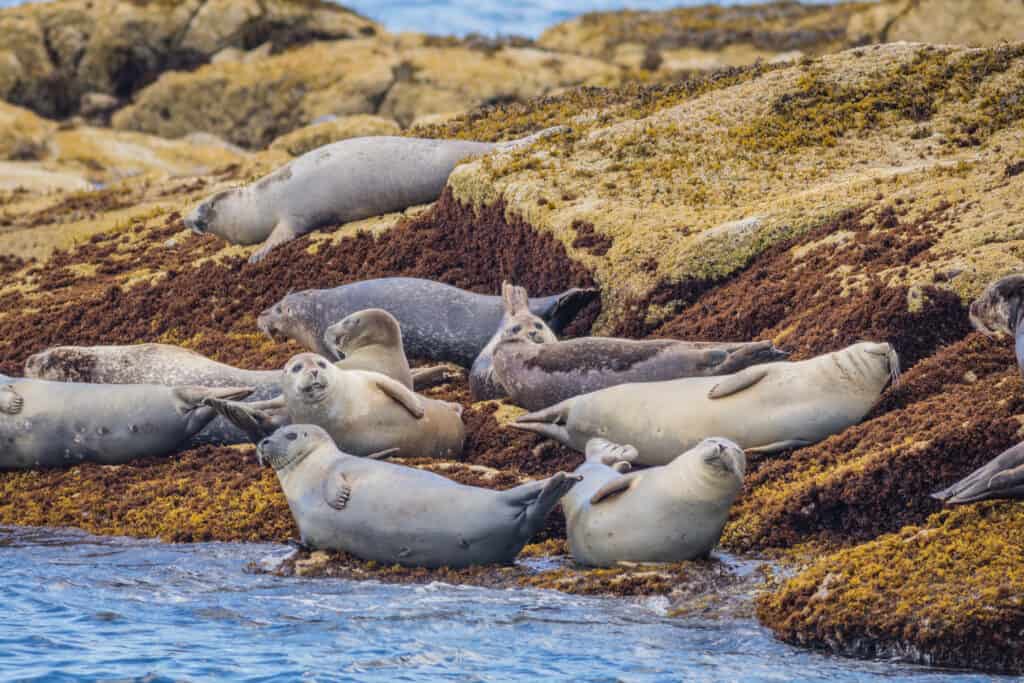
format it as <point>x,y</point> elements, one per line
<point>266,453</point>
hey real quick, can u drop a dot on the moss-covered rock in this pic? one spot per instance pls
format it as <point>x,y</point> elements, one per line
<point>946,593</point>
<point>51,54</point>
<point>398,77</point>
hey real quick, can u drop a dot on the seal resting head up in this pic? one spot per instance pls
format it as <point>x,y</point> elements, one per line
<point>999,309</point>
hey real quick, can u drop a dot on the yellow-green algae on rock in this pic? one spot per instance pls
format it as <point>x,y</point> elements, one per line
<point>947,593</point>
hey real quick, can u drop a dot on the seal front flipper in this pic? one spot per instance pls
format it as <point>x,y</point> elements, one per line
<point>383,455</point>
<point>537,499</point>
<point>779,446</point>
<point>615,487</point>
<point>401,395</point>
<point>736,383</point>
<point>337,489</point>
<point>282,233</point>
<point>11,402</point>
<point>609,453</point>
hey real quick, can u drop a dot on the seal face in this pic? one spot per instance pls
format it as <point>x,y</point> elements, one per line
<point>438,322</point>
<point>536,377</point>
<point>662,514</point>
<point>764,408</point>
<point>55,424</point>
<point>338,183</point>
<point>389,513</point>
<point>999,309</point>
<point>370,339</point>
<point>518,325</point>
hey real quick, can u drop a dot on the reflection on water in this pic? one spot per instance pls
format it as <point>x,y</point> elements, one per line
<point>78,607</point>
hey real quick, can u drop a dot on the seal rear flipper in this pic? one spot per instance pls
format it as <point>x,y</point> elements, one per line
<point>398,393</point>
<point>11,402</point>
<point>256,423</point>
<point>614,487</point>
<point>751,354</point>
<point>424,378</point>
<point>191,398</point>
<point>736,383</point>
<point>779,446</point>
<point>282,233</point>
<point>538,498</point>
<point>609,453</point>
<point>1005,484</point>
<point>514,298</point>
<point>564,308</point>
<point>530,139</point>
<point>981,479</point>
<point>549,422</point>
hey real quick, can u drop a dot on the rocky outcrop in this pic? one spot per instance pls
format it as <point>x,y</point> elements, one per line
<point>54,54</point>
<point>401,78</point>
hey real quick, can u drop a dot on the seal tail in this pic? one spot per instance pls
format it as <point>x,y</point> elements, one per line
<point>549,422</point>
<point>537,499</point>
<point>1003,477</point>
<point>512,145</point>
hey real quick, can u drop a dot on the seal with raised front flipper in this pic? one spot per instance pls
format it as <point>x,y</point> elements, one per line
<point>1001,477</point>
<point>439,322</point>
<point>537,376</point>
<point>392,514</point>
<point>764,408</point>
<point>56,424</point>
<point>1000,309</point>
<point>662,514</point>
<point>518,325</point>
<point>338,183</point>
<point>365,413</point>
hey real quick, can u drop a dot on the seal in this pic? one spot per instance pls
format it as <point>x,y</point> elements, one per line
<point>999,309</point>
<point>366,413</point>
<point>389,513</point>
<point>338,183</point>
<point>764,408</point>
<point>662,514</point>
<point>1001,477</point>
<point>439,322</point>
<point>370,340</point>
<point>538,376</point>
<point>517,325</point>
<point>57,424</point>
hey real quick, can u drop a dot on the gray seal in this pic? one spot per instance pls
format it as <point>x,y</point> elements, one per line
<point>537,376</point>
<point>765,408</point>
<point>392,514</point>
<point>661,514</point>
<point>519,325</point>
<point>366,413</point>
<point>339,183</point>
<point>1001,477</point>
<point>999,309</point>
<point>439,322</point>
<point>56,424</point>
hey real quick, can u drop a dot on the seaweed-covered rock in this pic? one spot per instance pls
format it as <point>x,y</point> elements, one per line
<point>946,593</point>
<point>53,53</point>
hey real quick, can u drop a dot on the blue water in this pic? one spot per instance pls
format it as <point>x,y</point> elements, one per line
<point>76,607</point>
<point>489,17</point>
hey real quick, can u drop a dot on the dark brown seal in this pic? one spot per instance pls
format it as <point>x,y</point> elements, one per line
<point>537,376</point>
<point>999,309</point>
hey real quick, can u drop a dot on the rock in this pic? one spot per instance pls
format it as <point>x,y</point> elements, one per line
<point>397,77</point>
<point>23,135</point>
<point>300,141</point>
<point>946,594</point>
<point>54,53</point>
<point>978,23</point>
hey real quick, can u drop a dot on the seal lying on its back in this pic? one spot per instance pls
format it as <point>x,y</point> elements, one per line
<point>338,183</point>
<point>519,325</point>
<point>537,376</point>
<point>662,514</point>
<point>1000,308</point>
<point>365,413</point>
<point>439,322</point>
<point>1002,477</point>
<point>764,408</point>
<point>389,513</point>
<point>56,424</point>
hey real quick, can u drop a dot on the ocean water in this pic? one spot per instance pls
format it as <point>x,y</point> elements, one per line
<point>75,607</point>
<point>489,17</point>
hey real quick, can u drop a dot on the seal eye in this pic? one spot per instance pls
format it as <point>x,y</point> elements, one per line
<point>277,309</point>
<point>322,364</point>
<point>538,326</point>
<point>516,329</point>
<point>291,436</point>
<point>296,368</point>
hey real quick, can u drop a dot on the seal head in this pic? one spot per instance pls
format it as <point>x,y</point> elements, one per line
<point>288,319</point>
<point>307,377</point>
<point>370,327</point>
<point>999,308</point>
<point>289,446</point>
